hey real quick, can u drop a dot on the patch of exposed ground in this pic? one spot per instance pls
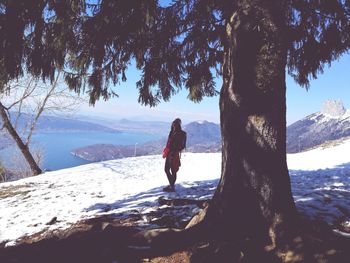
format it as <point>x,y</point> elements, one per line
<point>14,190</point>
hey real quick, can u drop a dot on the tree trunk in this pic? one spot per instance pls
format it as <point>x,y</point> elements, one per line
<point>23,147</point>
<point>254,199</point>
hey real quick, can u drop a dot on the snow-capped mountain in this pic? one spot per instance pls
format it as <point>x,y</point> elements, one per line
<point>331,123</point>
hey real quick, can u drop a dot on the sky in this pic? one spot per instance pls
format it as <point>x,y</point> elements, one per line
<point>334,83</point>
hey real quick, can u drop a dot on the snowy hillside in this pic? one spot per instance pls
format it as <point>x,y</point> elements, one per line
<point>332,122</point>
<point>335,156</point>
<point>125,186</point>
<point>321,182</point>
<point>133,186</point>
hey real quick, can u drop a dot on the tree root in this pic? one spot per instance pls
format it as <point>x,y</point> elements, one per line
<point>183,201</point>
<point>164,241</point>
<point>309,245</point>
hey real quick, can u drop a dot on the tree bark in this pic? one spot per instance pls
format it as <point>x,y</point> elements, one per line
<point>254,199</point>
<point>23,147</point>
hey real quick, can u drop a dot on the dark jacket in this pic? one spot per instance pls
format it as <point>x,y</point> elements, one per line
<point>176,141</point>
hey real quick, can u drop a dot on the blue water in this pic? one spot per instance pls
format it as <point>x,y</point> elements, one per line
<point>58,145</point>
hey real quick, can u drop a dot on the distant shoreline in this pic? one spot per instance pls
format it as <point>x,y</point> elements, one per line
<point>57,146</point>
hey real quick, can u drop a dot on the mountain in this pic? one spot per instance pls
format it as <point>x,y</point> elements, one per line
<point>48,123</point>
<point>331,123</point>
<point>103,152</point>
<point>152,127</point>
<point>130,125</point>
<point>5,140</point>
<point>52,123</point>
<point>202,132</point>
<point>202,136</point>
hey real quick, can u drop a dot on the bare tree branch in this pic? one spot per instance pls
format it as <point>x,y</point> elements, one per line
<point>41,108</point>
<point>28,91</point>
<point>34,98</point>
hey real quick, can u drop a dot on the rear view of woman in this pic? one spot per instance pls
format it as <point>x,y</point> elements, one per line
<point>175,144</point>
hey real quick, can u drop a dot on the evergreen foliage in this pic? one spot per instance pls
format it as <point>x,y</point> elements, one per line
<point>177,45</point>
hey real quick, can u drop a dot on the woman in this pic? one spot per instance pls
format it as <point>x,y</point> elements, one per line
<point>175,144</point>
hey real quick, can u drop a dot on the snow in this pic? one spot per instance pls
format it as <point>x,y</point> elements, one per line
<point>111,187</point>
<point>321,158</point>
<point>325,117</point>
<point>346,116</point>
<point>201,122</point>
<point>313,117</point>
<point>320,182</point>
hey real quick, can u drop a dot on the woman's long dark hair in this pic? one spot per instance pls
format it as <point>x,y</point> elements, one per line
<point>175,126</point>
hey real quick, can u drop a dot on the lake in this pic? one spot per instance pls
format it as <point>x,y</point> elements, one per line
<point>56,146</point>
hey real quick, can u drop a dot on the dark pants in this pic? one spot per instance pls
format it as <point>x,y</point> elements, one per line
<point>170,170</point>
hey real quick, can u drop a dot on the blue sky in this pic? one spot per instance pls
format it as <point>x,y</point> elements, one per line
<point>334,83</point>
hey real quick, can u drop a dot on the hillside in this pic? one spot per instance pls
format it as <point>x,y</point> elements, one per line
<point>89,212</point>
<point>119,188</point>
<point>52,123</point>
<point>152,127</point>
<point>132,187</point>
<point>331,123</point>
<point>5,141</point>
<point>60,124</point>
<point>131,125</point>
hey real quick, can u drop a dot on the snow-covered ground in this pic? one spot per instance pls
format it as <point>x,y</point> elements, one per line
<point>113,187</point>
<point>320,182</point>
<point>334,157</point>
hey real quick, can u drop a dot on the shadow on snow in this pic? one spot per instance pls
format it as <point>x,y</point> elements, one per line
<point>319,194</point>
<point>323,194</point>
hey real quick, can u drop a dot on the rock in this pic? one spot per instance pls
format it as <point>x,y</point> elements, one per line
<point>330,124</point>
<point>333,108</point>
<point>52,221</point>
